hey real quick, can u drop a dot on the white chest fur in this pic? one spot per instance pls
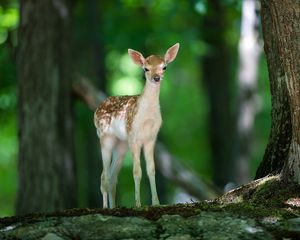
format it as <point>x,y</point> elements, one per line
<point>147,122</point>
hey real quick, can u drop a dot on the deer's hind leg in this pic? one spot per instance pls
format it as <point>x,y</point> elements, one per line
<point>108,143</point>
<point>121,149</point>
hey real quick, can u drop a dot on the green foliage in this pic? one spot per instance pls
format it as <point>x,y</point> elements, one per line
<point>9,16</point>
<point>8,154</point>
<point>8,21</point>
<point>8,137</point>
<point>125,75</point>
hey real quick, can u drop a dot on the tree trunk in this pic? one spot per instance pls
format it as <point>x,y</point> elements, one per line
<point>94,163</point>
<point>249,53</point>
<point>217,78</point>
<point>46,164</point>
<point>96,39</point>
<point>281,24</point>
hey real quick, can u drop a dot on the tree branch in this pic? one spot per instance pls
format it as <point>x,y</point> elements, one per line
<point>170,167</point>
<point>84,90</point>
<point>173,170</point>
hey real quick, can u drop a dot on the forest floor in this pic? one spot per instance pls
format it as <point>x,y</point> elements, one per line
<point>267,208</point>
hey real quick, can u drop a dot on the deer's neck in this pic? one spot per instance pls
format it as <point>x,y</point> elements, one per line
<point>150,95</point>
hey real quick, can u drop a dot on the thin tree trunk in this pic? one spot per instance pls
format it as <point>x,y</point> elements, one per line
<point>249,53</point>
<point>217,77</point>
<point>46,164</point>
<point>281,24</point>
<point>94,9</point>
<point>94,162</point>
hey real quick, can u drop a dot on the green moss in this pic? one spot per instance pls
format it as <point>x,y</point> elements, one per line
<point>267,197</point>
<point>260,199</point>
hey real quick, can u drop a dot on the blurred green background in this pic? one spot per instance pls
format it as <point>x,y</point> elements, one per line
<point>101,34</point>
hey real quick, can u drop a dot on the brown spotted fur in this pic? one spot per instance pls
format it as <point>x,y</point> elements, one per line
<point>113,107</point>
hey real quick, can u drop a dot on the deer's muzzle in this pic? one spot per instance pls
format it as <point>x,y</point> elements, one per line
<point>156,78</point>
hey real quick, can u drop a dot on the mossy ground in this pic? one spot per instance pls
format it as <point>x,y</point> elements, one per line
<point>268,197</point>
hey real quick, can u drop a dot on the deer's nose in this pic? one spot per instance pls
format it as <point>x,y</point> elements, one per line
<point>156,78</point>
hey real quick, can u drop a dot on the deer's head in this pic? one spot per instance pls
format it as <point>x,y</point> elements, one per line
<point>154,66</point>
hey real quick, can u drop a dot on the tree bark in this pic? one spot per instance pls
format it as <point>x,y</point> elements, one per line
<point>46,163</point>
<point>281,24</point>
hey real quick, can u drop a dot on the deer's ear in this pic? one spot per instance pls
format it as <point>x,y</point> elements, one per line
<point>136,57</point>
<point>171,53</point>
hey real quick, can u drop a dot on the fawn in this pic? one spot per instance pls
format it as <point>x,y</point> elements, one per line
<point>133,121</point>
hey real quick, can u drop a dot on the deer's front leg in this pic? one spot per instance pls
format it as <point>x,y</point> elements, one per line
<point>149,157</point>
<point>137,171</point>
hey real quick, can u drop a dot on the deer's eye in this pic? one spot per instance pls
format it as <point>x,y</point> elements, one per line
<point>165,67</point>
<point>146,69</point>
